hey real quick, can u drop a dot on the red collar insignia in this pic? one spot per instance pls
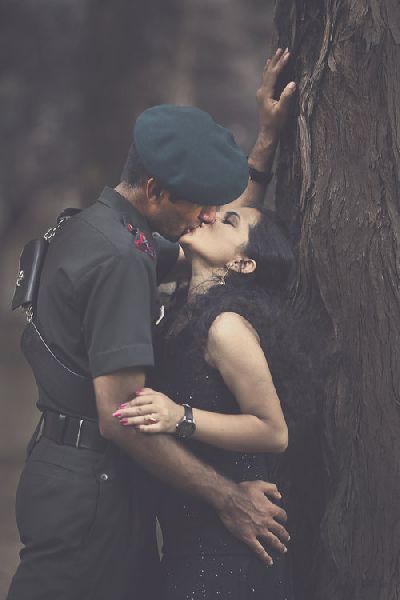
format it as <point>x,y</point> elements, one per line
<point>140,241</point>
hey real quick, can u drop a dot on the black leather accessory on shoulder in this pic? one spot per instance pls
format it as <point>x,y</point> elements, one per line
<point>31,263</point>
<point>259,176</point>
<point>30,266</point>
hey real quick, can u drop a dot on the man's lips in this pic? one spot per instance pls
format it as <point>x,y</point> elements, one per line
<point>190,229</point>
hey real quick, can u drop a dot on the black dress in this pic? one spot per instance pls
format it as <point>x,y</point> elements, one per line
<point>201,559</point>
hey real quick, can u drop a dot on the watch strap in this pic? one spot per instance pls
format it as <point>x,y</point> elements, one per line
<point>186,426</point>
<point>188,413</point>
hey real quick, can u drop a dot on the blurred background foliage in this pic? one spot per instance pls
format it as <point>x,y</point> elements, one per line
<point>73,76</point>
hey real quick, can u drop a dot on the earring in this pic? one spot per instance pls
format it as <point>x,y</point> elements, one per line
<point>222,278</point>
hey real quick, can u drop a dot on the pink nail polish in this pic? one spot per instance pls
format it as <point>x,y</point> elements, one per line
<point>123,405</point>
<point>124,421</point>
<point>116,413</point>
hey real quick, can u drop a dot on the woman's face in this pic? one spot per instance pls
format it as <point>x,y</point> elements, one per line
<point>218,243</point>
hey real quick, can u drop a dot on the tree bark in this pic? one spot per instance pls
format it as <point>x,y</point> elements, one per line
<point>338,188</point>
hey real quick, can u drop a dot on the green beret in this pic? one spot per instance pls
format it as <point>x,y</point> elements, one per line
<point>190,155</point>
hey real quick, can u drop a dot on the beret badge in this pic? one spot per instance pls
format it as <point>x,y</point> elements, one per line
<point>141,242</point>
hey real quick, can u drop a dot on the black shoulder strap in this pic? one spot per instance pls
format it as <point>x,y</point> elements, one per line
<point>56,379</point>
<point>31,264</point>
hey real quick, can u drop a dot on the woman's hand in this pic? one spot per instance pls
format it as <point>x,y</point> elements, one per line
<point>273,113</point>
<point>150,412</point>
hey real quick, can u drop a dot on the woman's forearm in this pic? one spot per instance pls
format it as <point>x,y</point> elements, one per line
<point>261,158</point>
<point>242,433</point>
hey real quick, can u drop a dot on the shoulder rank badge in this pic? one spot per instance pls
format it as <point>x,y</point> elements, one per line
<point>141,242</point>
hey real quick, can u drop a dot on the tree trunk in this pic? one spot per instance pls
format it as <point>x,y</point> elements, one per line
<point>338,188</point>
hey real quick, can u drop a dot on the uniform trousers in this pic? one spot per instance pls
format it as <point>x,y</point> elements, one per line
<point>85,527</point>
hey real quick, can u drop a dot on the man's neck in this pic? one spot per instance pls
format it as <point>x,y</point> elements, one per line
<point>134,197</point>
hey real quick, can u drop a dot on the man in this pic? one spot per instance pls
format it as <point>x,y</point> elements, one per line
<point>96,306</point>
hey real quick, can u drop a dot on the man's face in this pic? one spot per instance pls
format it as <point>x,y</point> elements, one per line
<point>174,219</point>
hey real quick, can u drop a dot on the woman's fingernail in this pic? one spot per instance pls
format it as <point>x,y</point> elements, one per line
<point>284,549</point>
<point>123,405</point>
<point>116,413</point>
<point>289,538</point>
<point>124,421</point>
<point>271,563</point>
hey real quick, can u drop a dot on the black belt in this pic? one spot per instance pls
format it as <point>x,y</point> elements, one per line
<point>72,431</point>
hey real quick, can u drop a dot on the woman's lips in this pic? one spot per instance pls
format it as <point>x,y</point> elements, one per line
<point>190,229</point>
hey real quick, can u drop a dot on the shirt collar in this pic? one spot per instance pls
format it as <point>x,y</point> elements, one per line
<point>128,212</point>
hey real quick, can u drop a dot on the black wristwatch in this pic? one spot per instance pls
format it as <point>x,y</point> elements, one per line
<point>260,177</point>
<point>186,426</point>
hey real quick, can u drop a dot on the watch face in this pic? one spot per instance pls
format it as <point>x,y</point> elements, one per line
<point>186,428</point>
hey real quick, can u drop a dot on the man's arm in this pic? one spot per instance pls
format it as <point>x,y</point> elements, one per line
<point>244,509</point>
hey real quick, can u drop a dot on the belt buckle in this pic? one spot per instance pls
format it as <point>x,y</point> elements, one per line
<point>62,421</point>
<point>78,437</point>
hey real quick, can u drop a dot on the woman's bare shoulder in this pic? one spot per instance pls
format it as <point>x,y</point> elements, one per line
<point>228,333</point>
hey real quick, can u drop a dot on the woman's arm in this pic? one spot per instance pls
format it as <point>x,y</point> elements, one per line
<point>233,348</point>
<point>272,118</point>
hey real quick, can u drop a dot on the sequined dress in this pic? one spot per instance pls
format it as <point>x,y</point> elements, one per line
<point>202,560</point>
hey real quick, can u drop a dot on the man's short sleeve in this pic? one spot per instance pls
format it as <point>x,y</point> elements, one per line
<point>117,321</point>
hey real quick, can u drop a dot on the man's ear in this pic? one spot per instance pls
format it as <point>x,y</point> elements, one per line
<point>155,193</point>
<point>242,265</point>
<point>152,190</point>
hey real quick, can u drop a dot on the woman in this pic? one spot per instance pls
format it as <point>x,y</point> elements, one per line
<point>212,353</point>
<point>212,358</point>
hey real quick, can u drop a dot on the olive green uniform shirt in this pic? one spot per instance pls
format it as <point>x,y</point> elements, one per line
<point>98,300</point>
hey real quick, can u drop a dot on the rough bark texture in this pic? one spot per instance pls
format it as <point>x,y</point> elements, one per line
<point>338,187</point>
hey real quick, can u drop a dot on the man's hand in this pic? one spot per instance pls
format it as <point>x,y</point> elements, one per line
<point>273,113</point>
<point>249,514</point>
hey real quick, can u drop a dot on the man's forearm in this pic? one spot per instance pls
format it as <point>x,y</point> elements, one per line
<point>159,454</point>
<point>170,462</point>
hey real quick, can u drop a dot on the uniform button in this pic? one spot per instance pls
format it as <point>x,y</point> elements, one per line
<point>104,477</point>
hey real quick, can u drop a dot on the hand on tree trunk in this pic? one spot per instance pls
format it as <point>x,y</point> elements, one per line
<point>272,113</point>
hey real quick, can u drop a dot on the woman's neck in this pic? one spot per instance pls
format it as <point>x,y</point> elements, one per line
<point>202,279</point>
